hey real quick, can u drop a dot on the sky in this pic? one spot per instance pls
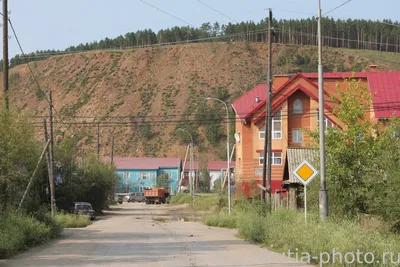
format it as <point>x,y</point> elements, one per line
<point>50,24</point>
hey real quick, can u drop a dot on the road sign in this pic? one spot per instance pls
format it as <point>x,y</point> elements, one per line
<point>305,172</point>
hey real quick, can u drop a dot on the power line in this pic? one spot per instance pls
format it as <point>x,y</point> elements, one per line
<point>226,16</point>
<point>31,71</point>
<point>165,12</point>
<point>339,6</point>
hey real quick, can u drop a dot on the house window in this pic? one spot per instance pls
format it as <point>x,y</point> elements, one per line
<point>261,158</point>
<point>261,133</point>
<point>167,175</point>
<point>126,176</point>
<point>328,123</point>
<point>145,176</point>
<point>297,136</point>
<point>276,158</point>
<point>258,172</point>
<point>142,188</point>
<point>277,126</point>
<point>298,106</point>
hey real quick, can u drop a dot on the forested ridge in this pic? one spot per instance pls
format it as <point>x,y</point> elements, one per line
<point>351,33</point>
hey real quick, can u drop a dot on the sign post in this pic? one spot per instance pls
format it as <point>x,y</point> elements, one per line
<point>305,172</point>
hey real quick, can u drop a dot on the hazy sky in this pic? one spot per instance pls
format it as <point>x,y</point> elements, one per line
<point>56,24</point>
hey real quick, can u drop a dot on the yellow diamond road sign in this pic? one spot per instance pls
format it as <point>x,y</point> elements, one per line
<point>305,172</point>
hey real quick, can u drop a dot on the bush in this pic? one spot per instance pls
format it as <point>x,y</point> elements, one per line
<point>65,220</point>
<point>221,220</point>
<point>19,231</point>
<point>202,202</point>
<point>285,230</point>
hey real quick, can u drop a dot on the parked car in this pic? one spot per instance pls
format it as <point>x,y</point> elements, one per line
<point>119,199</point>
<point>136,197</point>
<point>83,208</point>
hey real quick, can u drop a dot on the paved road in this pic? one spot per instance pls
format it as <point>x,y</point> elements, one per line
<point>136,234</point>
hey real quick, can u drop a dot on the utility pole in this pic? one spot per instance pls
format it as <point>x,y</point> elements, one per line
<point>83,160</point>
<point>5,55</point>
<point>51,153</point>
<point>269,113</point>
<point>112,150</point>
<point>98,140</point>
<point>323,193</point>
<point>191,169</point>
<point>46,138</point>
<point>268,121</point>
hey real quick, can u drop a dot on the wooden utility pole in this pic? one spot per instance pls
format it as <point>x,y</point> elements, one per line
<point>46,139</point>
<point>33,174</point>
<point>51,153</point>
<point>268,121</point>
<point>83,160</point>
<point>269,111</point>
<point>5,55</point>
<point>98,139</point>
<point>112,150</point>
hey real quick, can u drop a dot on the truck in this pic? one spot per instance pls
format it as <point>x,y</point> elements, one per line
<point>156,195</point>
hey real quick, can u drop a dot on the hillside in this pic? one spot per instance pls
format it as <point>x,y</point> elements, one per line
<point>139,95</point>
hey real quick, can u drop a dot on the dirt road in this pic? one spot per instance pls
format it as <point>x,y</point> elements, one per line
<point>135,234</point>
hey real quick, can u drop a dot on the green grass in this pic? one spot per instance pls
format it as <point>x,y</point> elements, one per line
<point>285,230</point>
<point>19,231</point>
<point>202,201</point>
<point>65,220</point>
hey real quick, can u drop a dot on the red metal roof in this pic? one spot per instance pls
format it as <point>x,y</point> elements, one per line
<point>219,165</point>
<point>246,104</point>
<point>384,88</point>
<point>195,165</point>
<point>123,163</point>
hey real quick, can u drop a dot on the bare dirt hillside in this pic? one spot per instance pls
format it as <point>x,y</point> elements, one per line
<point>121,89</point>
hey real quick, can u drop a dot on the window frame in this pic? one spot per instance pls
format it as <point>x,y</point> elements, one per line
<point>274,157</point>
<point>142,174</point>
<point>295,135</point>
<point>274,131</point>
<point>261,157</point>
<point>142,188</point>
<point>298,110</point>
<point>126,176</point>
<point>261,131</point>
<point>326,121</point>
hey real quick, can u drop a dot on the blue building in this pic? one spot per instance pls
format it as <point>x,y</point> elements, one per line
<point>138,174</point>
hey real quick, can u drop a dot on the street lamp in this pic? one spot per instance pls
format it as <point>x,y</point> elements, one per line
<point>227,151</point>
<point>191,162</point>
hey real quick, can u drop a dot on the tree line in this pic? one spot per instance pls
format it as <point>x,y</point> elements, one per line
<point>351,33</point>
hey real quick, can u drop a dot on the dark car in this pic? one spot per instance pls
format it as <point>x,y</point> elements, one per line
<point>83,208</point>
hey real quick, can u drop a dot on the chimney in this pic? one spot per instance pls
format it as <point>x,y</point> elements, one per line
<point>373,68</point>
<point>280,80</point>
<point>257,99</point>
